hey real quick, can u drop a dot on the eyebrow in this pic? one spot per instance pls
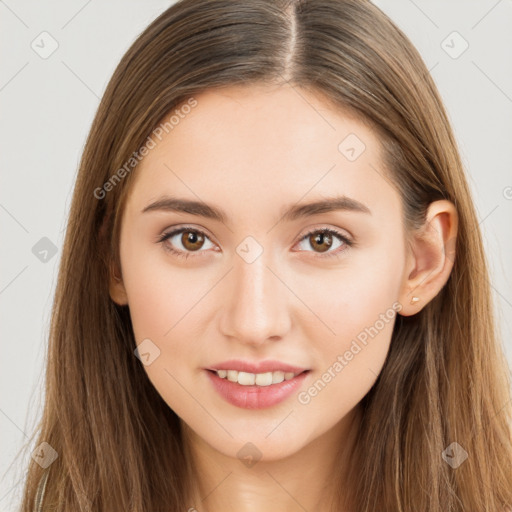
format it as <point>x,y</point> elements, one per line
<point>293,212</point>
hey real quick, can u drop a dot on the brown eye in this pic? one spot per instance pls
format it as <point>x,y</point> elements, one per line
<point>327,241</point>
<point>321,241</point>
<point>185,241</point>
<point>192,240</point>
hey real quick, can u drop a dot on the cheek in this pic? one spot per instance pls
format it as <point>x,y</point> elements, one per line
<point>154,301</point>
<point>160,293</point>
<point>353,296</point>
<point>164,302</point>
<point>169,305</point>
<point>351,360</point>
<point>357,305</point>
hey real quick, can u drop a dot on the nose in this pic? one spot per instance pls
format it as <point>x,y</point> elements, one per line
<point>256,308</point>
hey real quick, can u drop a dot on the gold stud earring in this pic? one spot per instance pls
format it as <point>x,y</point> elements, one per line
<point>414,300</point>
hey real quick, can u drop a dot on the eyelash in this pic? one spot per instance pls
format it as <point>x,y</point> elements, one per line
<point>348,243</point>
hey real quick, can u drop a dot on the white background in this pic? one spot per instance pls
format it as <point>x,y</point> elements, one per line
<point>47,106</point>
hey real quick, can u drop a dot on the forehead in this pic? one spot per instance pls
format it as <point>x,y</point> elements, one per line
<point>260,120</point>
<point>253,145</point>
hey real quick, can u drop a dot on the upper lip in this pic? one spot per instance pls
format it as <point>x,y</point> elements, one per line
<point>260,367</point>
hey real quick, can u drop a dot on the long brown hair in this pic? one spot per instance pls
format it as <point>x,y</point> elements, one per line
<point>445,380</point>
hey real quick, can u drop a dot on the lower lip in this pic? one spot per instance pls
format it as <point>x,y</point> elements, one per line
<point>255,397</point>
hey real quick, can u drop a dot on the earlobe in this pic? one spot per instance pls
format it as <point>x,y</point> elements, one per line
<point>117,290</point>
<point>431,257</point>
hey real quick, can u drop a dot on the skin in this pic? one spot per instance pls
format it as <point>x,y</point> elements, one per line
<point>252,151</point>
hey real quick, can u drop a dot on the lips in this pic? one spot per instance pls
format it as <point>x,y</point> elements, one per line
<point>256,367</point>
<point>256,397</point>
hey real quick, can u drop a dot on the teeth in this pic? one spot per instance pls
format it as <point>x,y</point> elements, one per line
<point>263,379</point>
<point>246,379</point>
<point>260,379</point>
<point>277,377</point>
<point>232,375</point>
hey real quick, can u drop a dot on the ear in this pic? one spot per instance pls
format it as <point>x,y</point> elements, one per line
<point>116,288</point>
<point>430,257</point>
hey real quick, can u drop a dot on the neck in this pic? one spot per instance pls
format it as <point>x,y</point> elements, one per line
<point>310,479</point>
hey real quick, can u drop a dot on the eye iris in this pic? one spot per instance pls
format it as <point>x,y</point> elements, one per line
<point>193,238</point>
<point>320,238</point>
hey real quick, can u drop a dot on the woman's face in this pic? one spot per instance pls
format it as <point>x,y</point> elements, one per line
<point>262,283</point>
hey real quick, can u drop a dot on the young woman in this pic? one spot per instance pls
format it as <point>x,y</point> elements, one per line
<point>273,293</point>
